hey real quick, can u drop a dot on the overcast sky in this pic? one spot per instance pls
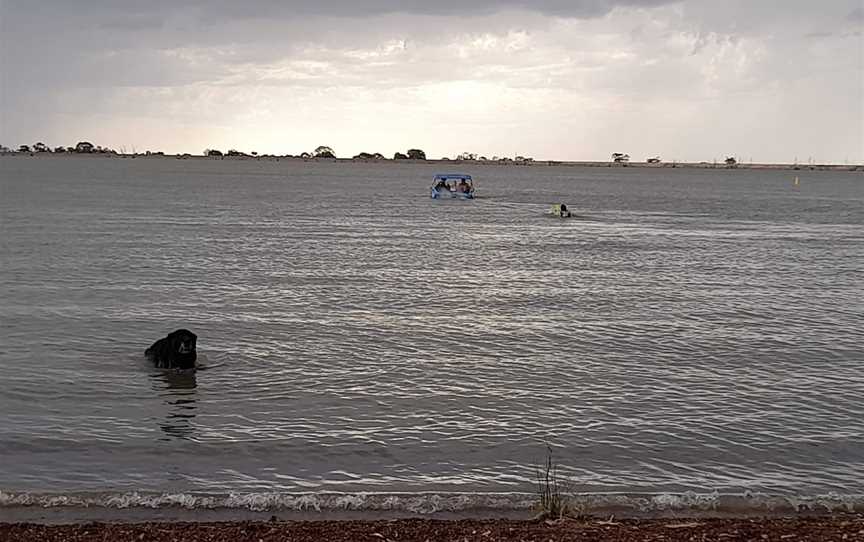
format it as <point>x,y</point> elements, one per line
<point>767,80</point>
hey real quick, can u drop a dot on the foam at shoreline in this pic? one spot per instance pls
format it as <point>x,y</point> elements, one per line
<point>436,504</point>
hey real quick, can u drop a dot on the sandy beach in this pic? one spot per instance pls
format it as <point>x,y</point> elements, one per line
<point>825,529</point>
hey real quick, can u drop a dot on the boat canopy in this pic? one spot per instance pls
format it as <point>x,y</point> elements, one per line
<point>450,176</point>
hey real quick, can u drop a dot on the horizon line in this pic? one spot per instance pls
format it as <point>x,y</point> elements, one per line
<point>526,161</point>
<point>235,154</point>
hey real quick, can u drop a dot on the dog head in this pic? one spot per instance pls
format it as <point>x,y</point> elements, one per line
<point>182,343</point>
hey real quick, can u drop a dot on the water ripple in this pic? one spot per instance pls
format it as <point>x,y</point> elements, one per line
<point>699,331</point>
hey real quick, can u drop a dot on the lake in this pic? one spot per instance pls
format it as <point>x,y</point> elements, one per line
<point>689,331</point>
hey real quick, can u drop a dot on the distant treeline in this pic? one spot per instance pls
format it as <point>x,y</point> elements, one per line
<point>322,151</point>
<point>82,147</point>
<point>325,152</point>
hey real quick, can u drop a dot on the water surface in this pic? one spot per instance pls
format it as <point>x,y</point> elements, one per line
<point>689,330</point>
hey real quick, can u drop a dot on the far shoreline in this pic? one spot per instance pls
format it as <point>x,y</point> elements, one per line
<point>445,162</point>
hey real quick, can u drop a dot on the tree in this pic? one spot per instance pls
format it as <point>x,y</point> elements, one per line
<point>41,147</point>
<point>324,152</point>
<point>305,155</point>
<point>24,148</point>
<point>84,147</point>
<point>619,157</point>
<point>467,156</point>
<point>416,154</point>
<point>731,161</point>
<point>400,156</point>
<point>369,156</point>
<point>60,149</point>
<point>212,152</point>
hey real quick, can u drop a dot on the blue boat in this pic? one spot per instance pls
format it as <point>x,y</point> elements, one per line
<point>452,185</point>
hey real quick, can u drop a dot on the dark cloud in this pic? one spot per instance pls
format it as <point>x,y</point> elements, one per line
<point>134,10</point>
<point>44,28</point>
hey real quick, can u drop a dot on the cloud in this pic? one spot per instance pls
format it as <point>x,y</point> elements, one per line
<point>556,79</point>
<point>136,14</point>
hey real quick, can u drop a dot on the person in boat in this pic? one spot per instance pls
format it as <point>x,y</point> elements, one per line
<point>441,185</point>
<point>462,188</point>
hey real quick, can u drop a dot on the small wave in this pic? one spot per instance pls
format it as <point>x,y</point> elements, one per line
<point>434,503</point>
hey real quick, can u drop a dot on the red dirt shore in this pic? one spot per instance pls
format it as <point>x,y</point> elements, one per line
<point>820,529</point>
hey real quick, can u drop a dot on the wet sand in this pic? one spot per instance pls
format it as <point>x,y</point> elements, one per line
<point>839,528</point>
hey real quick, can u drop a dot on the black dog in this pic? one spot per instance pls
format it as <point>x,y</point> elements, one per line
<point>176,351</point>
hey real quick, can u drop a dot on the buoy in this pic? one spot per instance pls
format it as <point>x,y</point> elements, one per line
<point>796,181</point>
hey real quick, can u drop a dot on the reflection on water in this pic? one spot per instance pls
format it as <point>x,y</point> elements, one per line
<point>178,391</point>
